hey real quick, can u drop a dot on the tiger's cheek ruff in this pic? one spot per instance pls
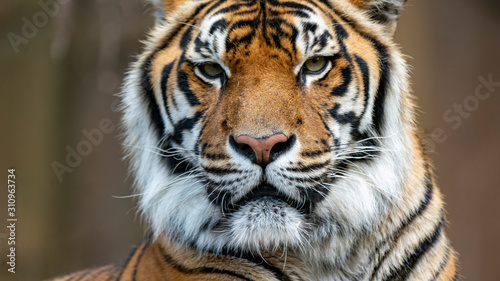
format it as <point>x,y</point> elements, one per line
<point>164,196</point>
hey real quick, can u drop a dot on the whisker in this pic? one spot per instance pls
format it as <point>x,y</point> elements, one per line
<point>127,196</point>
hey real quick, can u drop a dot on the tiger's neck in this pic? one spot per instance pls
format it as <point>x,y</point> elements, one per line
<point>408,241</point>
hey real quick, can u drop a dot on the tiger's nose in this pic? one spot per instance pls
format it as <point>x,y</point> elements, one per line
<point>262,150</point>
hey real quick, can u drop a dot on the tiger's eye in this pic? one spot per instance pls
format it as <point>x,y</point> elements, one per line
<point>212,69</point>
<point>315,64</point>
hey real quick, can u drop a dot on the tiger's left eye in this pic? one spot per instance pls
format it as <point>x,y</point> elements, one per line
<point>315,64</point>
<point>211,70</point>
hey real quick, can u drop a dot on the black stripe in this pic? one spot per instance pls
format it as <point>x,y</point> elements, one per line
<point>177,163</point>
<point>301,180</point>
<point>169,37</point>
<point>146,240</point>
<point>315,4</point>
<point>183,83</point>
<point>185,125</point>
<point>243,40</point>
<point>429,191</point>
<point>443,264</point>
<point>220,171</point>
<point>263,14</point>
<point>411,260</point>
<point>254,10</point>
<point>309,168</point>
<point>310,26</point>
<point>219,25</point>
<point>314,154</point>
<point>379,104</point>
<point>347,71</point>
<point>340,90</point>
<point>296,13</point>
<point>165,74</point>
<point>313,195</point>
<point>341,35</point>
<point>363,66</point>
<point>345,118</point>
<point>277,272</point>
<point>326,3</point>
<point>212,184</point>
<point>228,9</point>
<point>323,39</point>
<point>214,156</point>
<point>139,258</point>
<point>150,96</point>
<point>277,37</point>
<point>220,197</point>
<point>170,260</point>
<point>424,203</point>
<point>186,38</point>
<point>213,7</point>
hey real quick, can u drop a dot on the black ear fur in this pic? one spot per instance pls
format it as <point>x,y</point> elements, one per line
<point>385,12</point>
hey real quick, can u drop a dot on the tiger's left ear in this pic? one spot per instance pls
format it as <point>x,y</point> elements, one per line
<point>385,12</point>
<point>167,7</point>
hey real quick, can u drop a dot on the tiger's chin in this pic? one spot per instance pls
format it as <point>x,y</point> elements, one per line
<point>266,224</point>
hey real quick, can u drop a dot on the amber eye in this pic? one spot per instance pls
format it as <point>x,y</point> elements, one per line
<point>211,70</point>
<point>315,64</point>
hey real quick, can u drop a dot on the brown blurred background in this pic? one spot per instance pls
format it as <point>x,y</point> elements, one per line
<point>57,85</point>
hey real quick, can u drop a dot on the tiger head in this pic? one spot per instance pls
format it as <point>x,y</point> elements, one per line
<point>259,125</point>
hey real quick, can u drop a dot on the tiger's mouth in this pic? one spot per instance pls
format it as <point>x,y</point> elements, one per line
<point>267,192</point>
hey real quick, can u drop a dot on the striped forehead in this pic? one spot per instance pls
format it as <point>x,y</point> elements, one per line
<point>239,23</point>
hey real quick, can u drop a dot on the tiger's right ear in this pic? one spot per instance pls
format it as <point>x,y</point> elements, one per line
<point>167,7</point>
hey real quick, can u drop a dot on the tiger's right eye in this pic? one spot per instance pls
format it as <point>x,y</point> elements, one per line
<point>211,70</point>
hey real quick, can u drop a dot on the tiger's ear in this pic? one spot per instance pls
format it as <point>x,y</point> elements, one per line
<point>385,12</point>
<point>167,7</point>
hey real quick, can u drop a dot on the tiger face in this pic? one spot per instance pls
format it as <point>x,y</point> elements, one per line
<point>263,125</point>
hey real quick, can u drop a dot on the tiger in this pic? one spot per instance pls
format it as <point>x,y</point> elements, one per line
<point>277,140</point>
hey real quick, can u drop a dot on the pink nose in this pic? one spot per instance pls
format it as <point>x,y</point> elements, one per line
<point>262,147</point>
